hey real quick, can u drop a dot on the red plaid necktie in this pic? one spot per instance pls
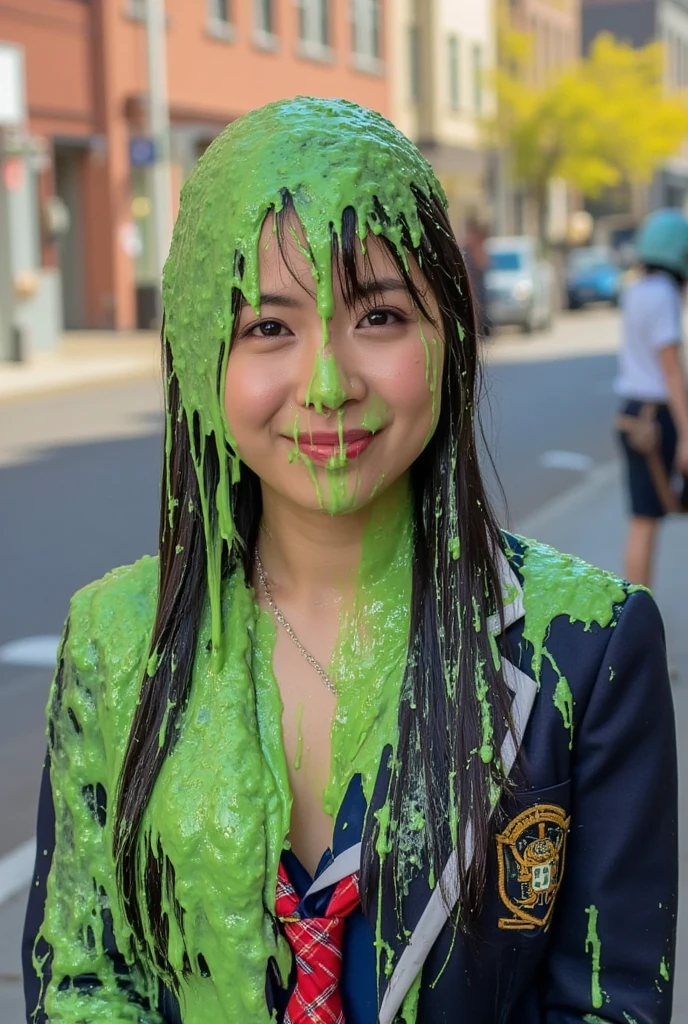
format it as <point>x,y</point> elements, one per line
<point>317,946</point>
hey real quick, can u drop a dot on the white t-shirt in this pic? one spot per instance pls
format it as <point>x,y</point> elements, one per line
<point>651,319</point>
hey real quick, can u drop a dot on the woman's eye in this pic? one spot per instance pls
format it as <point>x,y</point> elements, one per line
<point>381,318</point>
<point>267,329</point>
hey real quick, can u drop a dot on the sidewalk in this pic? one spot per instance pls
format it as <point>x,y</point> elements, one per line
<point>84,357</point>
<point>589,523</point>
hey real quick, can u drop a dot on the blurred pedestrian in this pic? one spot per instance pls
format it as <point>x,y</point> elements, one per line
<point>653,420</point>
<point>345,751</point>
<point>478,263</point>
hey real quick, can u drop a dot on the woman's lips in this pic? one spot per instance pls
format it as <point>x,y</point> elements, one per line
<point>321,448</point>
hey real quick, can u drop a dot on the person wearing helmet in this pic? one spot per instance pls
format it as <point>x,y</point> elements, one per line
<point>653,422</point>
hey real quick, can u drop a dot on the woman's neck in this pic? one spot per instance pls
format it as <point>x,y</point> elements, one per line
<point>320,557</point>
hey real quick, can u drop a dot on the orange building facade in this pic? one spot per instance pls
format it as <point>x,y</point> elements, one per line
<point>87,88</point>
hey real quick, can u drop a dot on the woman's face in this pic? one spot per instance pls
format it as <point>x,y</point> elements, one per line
<point>330,424</point>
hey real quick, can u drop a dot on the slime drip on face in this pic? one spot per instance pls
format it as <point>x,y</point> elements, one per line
<point>326,421</point>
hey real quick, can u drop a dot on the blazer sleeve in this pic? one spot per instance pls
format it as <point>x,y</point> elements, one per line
<point>75,968</point>
<point>612,952</point>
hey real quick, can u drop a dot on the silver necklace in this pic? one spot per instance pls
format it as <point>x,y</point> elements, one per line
<point>286,626</point>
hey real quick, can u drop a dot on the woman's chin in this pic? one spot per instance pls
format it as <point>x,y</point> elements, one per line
<point>332,492</point>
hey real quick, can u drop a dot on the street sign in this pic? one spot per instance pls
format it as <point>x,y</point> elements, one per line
<point>142,151</point>
<point>12,102</point>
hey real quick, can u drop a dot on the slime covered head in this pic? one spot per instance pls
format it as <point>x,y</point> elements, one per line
<point>327,155</point>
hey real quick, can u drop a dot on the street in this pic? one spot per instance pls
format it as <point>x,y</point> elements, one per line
<point>79,474</point>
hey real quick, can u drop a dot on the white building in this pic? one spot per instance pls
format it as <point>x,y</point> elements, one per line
<point>442,51</point>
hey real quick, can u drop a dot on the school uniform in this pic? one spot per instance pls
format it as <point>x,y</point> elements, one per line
<point>652,319</point>
<point>584,932</point>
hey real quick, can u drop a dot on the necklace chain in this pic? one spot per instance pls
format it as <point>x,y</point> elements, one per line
<point>287,627</point>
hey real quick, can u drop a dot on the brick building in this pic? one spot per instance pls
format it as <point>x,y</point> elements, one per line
<point>86,84</point>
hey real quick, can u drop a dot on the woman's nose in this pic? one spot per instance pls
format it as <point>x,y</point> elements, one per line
<point>325,383</point>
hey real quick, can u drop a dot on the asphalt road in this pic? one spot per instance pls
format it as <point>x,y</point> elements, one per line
<point>79,475</point>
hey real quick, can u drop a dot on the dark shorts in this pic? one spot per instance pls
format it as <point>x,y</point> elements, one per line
<point>644,500</point>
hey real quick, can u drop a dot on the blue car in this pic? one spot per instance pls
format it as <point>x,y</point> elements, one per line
<point>592,275</point>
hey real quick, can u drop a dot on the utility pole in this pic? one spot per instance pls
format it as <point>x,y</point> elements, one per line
<point>426,19</point>
<point>7,330</point>
<point>159,128</point>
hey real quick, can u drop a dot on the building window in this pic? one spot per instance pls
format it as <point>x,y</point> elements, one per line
<point>264,16</point>
<point>314,29</point>
<point>136,9</point>
<point>454,61</point>
<point>366,44</point>
<point>478,78</point>
<point>414,63</point>
<point>219,19</point>
<point>264,24</point>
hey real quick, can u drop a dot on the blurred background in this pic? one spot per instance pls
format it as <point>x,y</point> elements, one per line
<point>554,126</point>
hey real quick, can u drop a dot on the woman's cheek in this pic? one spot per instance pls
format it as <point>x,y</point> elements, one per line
<point>408,383</point>
<point>253,394</point>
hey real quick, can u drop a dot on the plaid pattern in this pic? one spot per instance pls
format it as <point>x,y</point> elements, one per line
<point>317,946</point>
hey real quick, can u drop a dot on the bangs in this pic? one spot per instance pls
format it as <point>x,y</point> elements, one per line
<point>350,257</point>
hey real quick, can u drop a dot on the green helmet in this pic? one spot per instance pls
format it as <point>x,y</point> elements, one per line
<point>663,241</point>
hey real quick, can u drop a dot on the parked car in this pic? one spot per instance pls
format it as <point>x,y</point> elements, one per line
<point>592,275</point>
<point>519,284</point>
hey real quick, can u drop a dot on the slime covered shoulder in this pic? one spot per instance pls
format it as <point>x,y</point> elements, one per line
<point>556,584</point>
<point>216,824</point>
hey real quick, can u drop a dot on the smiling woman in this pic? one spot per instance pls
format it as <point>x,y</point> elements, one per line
<point>345,752</point>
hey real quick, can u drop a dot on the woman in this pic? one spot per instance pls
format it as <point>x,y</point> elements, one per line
<point>653,422</point>
<point>345,751</point>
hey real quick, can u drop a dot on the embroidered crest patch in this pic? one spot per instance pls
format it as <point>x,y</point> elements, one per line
<point>530,856</point>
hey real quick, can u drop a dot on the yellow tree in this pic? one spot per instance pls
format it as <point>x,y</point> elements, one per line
<point>601,121</point>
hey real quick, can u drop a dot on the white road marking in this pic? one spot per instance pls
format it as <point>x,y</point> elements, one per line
<point>16,870</point>
<point>32,651</point>
<point>576,461</point>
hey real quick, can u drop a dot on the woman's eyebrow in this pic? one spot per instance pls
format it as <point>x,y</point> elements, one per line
<point>381,284</point>
<point>275,299</point>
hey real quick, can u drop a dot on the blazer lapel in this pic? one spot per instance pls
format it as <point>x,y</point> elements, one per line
<point>434,917</point>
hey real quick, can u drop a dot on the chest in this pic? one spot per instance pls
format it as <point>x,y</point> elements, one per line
<point>308,714</point>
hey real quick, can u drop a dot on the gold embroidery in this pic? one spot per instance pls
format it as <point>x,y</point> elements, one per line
<point>530,855</point>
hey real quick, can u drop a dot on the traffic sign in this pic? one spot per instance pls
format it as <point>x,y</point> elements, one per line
<point>142,151</point>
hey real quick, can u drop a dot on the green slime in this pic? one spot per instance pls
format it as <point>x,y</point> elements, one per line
<point>557,584</point>
<point>593,947</point>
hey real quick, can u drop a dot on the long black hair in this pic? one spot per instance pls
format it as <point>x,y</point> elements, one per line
<point>456,587</point>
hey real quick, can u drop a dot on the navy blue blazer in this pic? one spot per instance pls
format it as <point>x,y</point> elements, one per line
<point>579,917</point>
